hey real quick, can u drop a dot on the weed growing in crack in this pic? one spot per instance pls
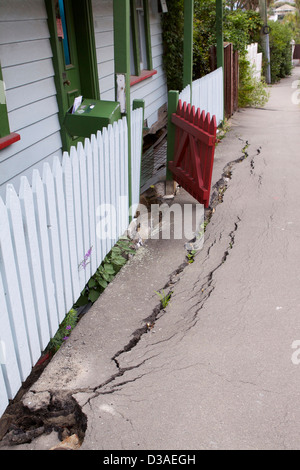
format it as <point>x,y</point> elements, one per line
<point>110,266</point>
<point>63,333</point>
<point>222,130</point>
<point>244,150</point>
<point>191,256</point>
<point>164,298</point>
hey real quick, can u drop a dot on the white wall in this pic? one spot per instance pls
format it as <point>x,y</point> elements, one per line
<point>153,90</point>
<point>26,59</point>
<point>104,36</point>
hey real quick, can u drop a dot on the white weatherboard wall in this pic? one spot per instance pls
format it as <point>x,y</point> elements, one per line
<point>26,60</point>
<point>207,94</point>
<point>104,38</point>
<point>54,234</point>
<point>154,89</point>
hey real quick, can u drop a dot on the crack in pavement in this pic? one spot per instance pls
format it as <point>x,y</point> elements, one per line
<point>63,412</point>
<point>207,287</point>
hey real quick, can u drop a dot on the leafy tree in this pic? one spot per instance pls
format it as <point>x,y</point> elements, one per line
<point>293,21</point>
<point>240,28</point>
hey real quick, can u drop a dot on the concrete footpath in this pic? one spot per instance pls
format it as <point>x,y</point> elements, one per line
<point>218,367</point>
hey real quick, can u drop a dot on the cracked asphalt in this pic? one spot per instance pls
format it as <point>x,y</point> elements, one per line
<point>214,370</point>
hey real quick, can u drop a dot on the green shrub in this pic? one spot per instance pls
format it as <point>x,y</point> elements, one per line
<point>252,92</point>
<point>204,36</point>
<point>240,28</point>
<point>280,50</point>
<point>173,28</point>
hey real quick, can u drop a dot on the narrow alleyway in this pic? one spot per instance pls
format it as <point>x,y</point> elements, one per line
<point>216,369</point>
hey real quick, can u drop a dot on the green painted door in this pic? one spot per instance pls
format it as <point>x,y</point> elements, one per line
<point>68,51</point>
<point>74,56</point>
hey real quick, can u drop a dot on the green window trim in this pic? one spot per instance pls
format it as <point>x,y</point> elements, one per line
<point>6,137</point>
<point>4,124</point>
<point>136,37</point>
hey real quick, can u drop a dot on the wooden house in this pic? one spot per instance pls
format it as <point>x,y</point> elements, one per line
<point>52,51</point>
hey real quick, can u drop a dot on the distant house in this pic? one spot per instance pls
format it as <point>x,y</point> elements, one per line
<point>282,11</point>
<point>52,51</point>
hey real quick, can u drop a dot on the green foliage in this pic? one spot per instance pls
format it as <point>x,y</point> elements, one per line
<point>64,331</point>
<point>252,92</point>
<point>106,272</point>
<point>191,256</point>
<point>164,298</point>
<point>280,50</point>
<point>293,21</point>
<point>204,36</point>
<point>240,27</point>
<point>173,26</point>
<point>111,265</point>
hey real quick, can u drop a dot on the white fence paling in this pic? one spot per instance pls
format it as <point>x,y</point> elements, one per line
<point>207,94</point>
<point>255,59</point>
<point>53,237</point>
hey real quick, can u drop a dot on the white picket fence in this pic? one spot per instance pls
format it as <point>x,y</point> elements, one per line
<point>207,94</point>
<point>54,234</point>
<point>255,59</point>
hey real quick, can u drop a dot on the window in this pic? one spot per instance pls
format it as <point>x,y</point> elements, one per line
<point>140,42</point>
<point>6,138</point>
<point>63,30</point>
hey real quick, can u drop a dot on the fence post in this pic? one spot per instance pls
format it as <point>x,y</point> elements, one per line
<point>139,103</point>
<point>173,99</point>
<point>220,44</point>
<point>121,9</point>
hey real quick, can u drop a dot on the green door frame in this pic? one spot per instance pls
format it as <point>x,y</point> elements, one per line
<point>122,67</point>
<point>84,26</point>
<point>4,124</point>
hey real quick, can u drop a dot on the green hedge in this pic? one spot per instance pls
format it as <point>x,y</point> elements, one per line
<point>173,31</point>
<point>280,50</point>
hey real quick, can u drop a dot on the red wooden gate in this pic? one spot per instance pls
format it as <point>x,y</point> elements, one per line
<point>195,140</point>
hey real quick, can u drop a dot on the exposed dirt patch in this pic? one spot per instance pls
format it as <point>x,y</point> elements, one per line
<point>42,413</point>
